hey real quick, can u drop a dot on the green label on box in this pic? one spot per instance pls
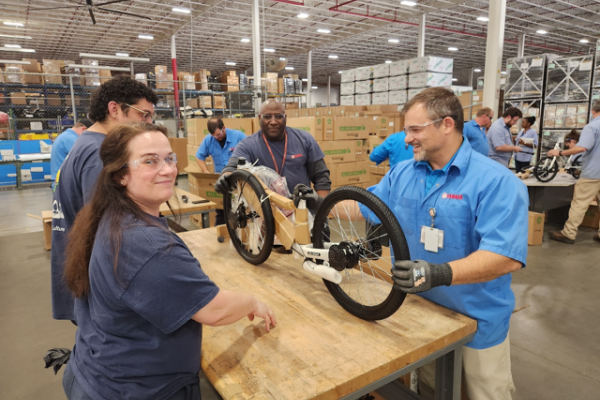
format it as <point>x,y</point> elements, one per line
<point>329,120</point>
<point>539,220</point>
<point>302,128</point>
<point>352,128</point>
<point>206,132</point>
<point>319,121</point>
<point>192,158</point>
<point>336,151</point>
<point>509,66</point>
<point>214,194</point>
<point>596,97</point>
<point>546,133</point>
<point>551,66</point>
<point>354,173</point>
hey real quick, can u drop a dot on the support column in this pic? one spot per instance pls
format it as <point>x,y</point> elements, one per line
<point>521,49</point>
<point>471,78</point>
<point>328,90</point>
<point>421,39</point>
<point>493,54</point>
<point>175,83</point>
<point>309,77</point>
<point>256,54</point>
<point>131,68</point>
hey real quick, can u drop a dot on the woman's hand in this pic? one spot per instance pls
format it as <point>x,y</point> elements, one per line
<point>264,312</point>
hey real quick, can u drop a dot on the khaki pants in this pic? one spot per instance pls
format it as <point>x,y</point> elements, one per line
<point>585,191</point>
<point>486,373</point>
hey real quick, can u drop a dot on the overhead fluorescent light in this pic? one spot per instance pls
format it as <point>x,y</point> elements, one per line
<point>122,54</point>
<point>269,50</point>
<point>304,79</point>
<point>147,37</point>
<point>12,46</point>
<point>483,19</point>
<point>408,3</point>
<point>339,72</point>
<point>17,24</point>
<point>245,40</point>
<point>314,87</point>
<point>333,56</point>
<point>302,15</point>
<point>388,61</point>
<point>281,58</point>
<point>181,10</point>
<point>454,79</point>
<point>15,62</point>
<point>289,68</point>
<point>541,31</point>
<point>477,70</point>
<point>584,41</point>
<point>452,48</point>
<point>16,36</point>
<point>503,72</point>
<point>19,50</point>
<point>393,40</point>
<point>323,30</point>
<point>229,63</point>
<point>81,66</point>
<point>108,57</point>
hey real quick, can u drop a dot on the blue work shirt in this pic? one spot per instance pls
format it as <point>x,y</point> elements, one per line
<point>220,155</point>
<point>526,153</point>
<point>136,338</point>
<point>476,136</point>
<point>434,175</point>
<point>394,148</point>
<point>61,146</point>
<point>480,205</point>
<point>590,139</point>
<point>498,135</point>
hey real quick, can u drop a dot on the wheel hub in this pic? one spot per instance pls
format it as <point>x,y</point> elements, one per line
<point>343,256</point>
<point>238,218</point>
<point>370,249</point>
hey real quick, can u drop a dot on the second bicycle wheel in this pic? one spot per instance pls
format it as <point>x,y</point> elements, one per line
<point>364,238</point>
<point>545,170</point>
<point>249,217</point>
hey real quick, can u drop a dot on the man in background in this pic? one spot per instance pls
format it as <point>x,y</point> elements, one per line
<point>63,144</point>
<point>500,138</point>
<point>475,129</point>
<point>393,148</point>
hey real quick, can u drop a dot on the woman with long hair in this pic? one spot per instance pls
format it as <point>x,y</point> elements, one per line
<point>140,295</point>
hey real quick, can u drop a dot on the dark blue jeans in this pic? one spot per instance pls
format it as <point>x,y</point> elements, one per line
<point>74,391</point>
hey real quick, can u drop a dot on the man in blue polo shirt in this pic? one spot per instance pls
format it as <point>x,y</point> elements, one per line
<point>499,137</point>
<point>63,144</point>
<point>474,130</point>
<point>393,148</point>
<point>465,221</point>
<point>219,145</point>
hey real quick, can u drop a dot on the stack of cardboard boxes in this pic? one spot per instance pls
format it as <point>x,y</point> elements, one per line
<point>471,102</point>
<point>269,79</point>
<point>162,77</point>
<point>230,81</point>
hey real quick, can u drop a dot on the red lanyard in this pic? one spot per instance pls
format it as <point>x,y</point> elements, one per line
<point>273,157</point>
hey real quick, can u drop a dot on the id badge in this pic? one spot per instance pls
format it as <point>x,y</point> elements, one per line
<point>432,238</point>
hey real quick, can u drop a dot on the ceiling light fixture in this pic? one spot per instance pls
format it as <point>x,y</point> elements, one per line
<point>393,40</point>
<point>12,46</point>
<point>121,69</point>
<point>122,54</point>
<point>281,58</point>
<point>483,19</point>
<point>289,68</point>
<point>15,62</point>
<point>541,31</point>
<point>245,40</point>
<point>16,36</point>
<point>339,72</point>
<point>107,57</point>
<point>388,61</point>
<point>269,50</point>
<point>408,3</point>
<point>323,30</point>
<point>302,15</point>
<point>181,10</point>
<point>477,70</point>
<point>229,63</point>
<point>314,87</point>
<point>333,57</point>
<point>147,37</point>
<point>452,48</point>
<point>17,24</point>
<point>584,41</point>
<point>19,50</point>
<point>503,73</point>
<point>304,79</point>
<point>454,79</point>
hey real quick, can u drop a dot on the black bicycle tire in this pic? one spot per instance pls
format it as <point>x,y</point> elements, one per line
<point>397,242</point>
<point>247,178</point>
<point>554,170</point>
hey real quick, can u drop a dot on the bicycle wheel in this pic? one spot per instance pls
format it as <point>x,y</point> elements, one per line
<point>543,171</point>
<point>362,247</point>
<point>250,220</point>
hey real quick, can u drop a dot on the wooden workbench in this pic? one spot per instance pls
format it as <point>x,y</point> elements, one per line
<point>185,209</point>
<point>317,350</point>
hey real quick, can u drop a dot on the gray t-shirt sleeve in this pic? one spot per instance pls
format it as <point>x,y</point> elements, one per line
<point>319,175</point>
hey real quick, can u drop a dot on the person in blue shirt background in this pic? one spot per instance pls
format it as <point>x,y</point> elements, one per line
<point>523,158</point>
<point>481,210</point>
<point>393,148</point>
<point>500,138</point>
<point>219,145</point>
<point>474,130</point>
<point>63,144</point>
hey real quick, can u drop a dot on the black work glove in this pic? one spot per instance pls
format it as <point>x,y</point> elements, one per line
<point>303,192</point>
<point>222,184</point>
<point>419,276</point>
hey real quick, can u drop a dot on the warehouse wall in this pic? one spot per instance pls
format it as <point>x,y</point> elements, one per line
<point>320,95</point>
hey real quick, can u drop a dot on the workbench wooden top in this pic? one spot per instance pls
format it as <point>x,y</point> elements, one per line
<point>185,208</point>
<point>318,350</point>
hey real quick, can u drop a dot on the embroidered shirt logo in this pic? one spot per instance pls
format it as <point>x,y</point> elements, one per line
<point>452,196</point>
<point>296,156</point>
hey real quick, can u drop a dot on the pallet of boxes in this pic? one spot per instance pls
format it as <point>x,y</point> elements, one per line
<point>388,120</point>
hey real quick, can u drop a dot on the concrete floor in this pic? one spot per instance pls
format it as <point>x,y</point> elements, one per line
<point>555,346</point>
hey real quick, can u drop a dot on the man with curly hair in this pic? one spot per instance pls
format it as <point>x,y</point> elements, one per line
<point>117,101</point>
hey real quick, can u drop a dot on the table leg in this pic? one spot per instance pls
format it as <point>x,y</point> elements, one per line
<point>448,375</point>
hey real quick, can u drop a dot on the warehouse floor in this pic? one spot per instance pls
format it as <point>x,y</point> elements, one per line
<point>554,342</point>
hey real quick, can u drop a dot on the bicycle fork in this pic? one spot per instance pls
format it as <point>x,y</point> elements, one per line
<point>324,270</point>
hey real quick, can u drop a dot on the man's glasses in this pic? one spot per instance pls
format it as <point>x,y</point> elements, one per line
<point>416,129</point>
<point>146,115</point>
<point>278,117</point>
<point>153,162</point>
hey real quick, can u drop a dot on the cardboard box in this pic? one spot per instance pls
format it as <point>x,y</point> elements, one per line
<point>397,97</point>
<point>205,185</point>
<point>592,217</point>
<point>363,87</point>
<point>352,128</point>
<point>429,79</point>
<point>312,125</point>
<point>347,100</point>
<point>160,74</point>
<point>346,88</point>
<point>398,82</point>
<point>381,70</point>
<point>413,92</point>
<point>381,84</point>
<point>380,98</point>
<point>362,99</point>
<point>361,149</point>
<point>179,147</point>
<point>363,73</point>
<point>349,173</point>
<point>348,75</point>
<point>18,98</point>
<point>191,154</point>
<point>399,67</point>
<point>432,64</point>
<point>387,125</point>
<point>536,229</point>
<point>339,151</point>
<point>35,69</point>
<point>47,222</point>
<point>52,68</point>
